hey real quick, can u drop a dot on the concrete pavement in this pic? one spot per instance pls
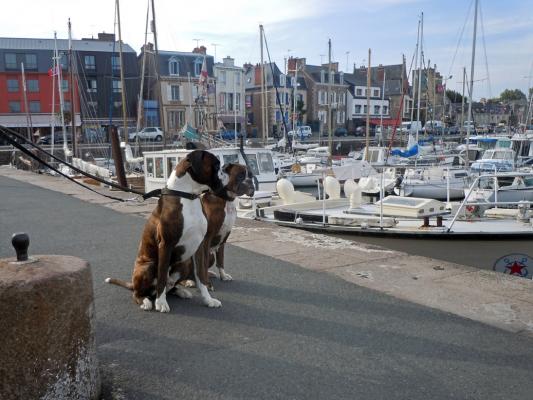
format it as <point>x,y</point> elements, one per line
<point>286,331</point>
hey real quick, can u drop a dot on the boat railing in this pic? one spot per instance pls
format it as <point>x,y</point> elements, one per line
<point>496,203</point>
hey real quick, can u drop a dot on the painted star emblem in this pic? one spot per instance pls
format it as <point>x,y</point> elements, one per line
<point>515,268</point>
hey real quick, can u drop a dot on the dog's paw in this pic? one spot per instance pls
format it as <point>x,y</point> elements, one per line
<point>212,303</point>
<point>188,283</point>
<point>224,276</point>
<point>182,293</point>
<point>161,305</point>
<point>146,305</point>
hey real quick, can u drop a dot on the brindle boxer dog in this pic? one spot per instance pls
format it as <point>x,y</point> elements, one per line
<point>221,214</point>
<point>174,232</point>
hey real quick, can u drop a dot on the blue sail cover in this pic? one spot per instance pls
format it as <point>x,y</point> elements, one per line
<point>412,151</point>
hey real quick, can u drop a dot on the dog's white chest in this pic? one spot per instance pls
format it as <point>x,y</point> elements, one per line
<point>229,220</point>
<point>194,227</point>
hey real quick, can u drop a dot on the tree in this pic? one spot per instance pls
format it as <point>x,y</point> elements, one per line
<point>509,95</point>
<point>300,109</point>
<point>454,96</point>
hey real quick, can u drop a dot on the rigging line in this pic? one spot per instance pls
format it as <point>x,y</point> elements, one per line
<point>85,97</point>
<point>14,143</point>
<point>460,38</point>
<point>485,50</point>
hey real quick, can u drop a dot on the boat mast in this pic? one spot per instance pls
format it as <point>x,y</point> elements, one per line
<point>122,83</point>
<point>328,102</point>
<point>420,75</point>
<point>382,102</point>
<point>61,100</point>
<point>143,69</point>
<point>159,94</point>
<point>264,106</point>
<point>463,105</point>
<point>295,96</point>
<point>52,115</point>
<point>72,108</point>
<point>471,83</point>
<point>417,69</point>
<point>28,117</point>
<point>367,143</point>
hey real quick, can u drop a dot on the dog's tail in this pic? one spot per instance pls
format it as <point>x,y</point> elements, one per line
<point>120,282</point>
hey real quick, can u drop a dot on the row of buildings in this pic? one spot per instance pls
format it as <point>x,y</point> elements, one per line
<point>166,90</point>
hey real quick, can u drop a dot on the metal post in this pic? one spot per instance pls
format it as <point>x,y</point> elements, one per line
<point>122,81</point>
<point>328,101</point>
<point>367,143</point>
<point>72,99</point>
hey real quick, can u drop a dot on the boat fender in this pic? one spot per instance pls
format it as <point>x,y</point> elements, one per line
<point>285,188</point>
<point>332,187</point>
<point>349,187</point>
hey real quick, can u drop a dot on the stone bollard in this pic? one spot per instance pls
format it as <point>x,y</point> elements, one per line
<point>48,349</point>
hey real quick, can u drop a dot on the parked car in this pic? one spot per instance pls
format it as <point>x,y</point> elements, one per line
<point>58,138</point>
<point>341,132</point>
<point>148,133</point>
<point>303,132</point>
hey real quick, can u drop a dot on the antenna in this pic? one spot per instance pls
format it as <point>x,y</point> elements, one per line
<point>197,41</point>
<point>322,58</point>
<point>215,46</point>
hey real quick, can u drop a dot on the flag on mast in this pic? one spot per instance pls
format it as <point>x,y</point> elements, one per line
<point>53,71</point>
<point>203,75</point>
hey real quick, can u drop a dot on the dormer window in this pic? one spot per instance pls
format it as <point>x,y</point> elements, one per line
<point>173,66</point>
<point>282,80</point>
<point>197,67</point>
<point>341,78</point>
<point>332,77</point>
<point>322,76</point>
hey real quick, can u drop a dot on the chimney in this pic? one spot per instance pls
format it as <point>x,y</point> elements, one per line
<point>148,47</point>
<point>228,61</point>
<point>257,74</point>
<point>200,50</point>
<point>381,73</point>
<point>106,37</point>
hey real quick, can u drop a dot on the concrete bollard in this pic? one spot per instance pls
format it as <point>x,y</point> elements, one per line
<point>47,327</point>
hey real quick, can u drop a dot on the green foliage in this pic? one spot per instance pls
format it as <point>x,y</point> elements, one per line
<point>300,109</point>
<point>509,95</point>
<point>454,96</point>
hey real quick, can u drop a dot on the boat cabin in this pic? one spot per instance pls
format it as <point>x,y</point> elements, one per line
<point>158,165</point>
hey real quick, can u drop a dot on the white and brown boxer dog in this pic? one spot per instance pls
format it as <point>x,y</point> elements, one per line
<point>174,232</point>
<point>221,214</point>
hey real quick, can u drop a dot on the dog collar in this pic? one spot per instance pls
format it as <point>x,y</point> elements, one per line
<point>169,192</point>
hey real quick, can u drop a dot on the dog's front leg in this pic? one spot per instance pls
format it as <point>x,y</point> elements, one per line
<point>220,264</point>
<point>162,274</point>
<point>200,261</point>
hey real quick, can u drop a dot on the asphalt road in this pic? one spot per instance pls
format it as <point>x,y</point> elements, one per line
<point>283,332</point>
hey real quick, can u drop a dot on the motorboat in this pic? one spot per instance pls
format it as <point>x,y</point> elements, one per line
<point>434,183</point>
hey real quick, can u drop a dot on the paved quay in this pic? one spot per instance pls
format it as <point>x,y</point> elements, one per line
<point>307,316</point>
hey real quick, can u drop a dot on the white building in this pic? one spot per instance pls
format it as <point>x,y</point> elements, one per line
<point>357,100</point>
<point>229,90</point>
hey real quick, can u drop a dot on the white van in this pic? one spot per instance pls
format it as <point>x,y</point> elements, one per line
<point>433,125</point>
<point>322,151</point>
<point>411,127</point>
<point>303,131</point>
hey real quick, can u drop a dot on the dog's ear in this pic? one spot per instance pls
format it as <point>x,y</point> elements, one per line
<point>196,159</point>
<point>182,167</point>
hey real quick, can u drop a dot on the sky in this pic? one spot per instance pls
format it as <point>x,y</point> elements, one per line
<point>301,28</point>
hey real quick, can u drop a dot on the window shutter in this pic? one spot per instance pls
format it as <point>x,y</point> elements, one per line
<point>180,93</point>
